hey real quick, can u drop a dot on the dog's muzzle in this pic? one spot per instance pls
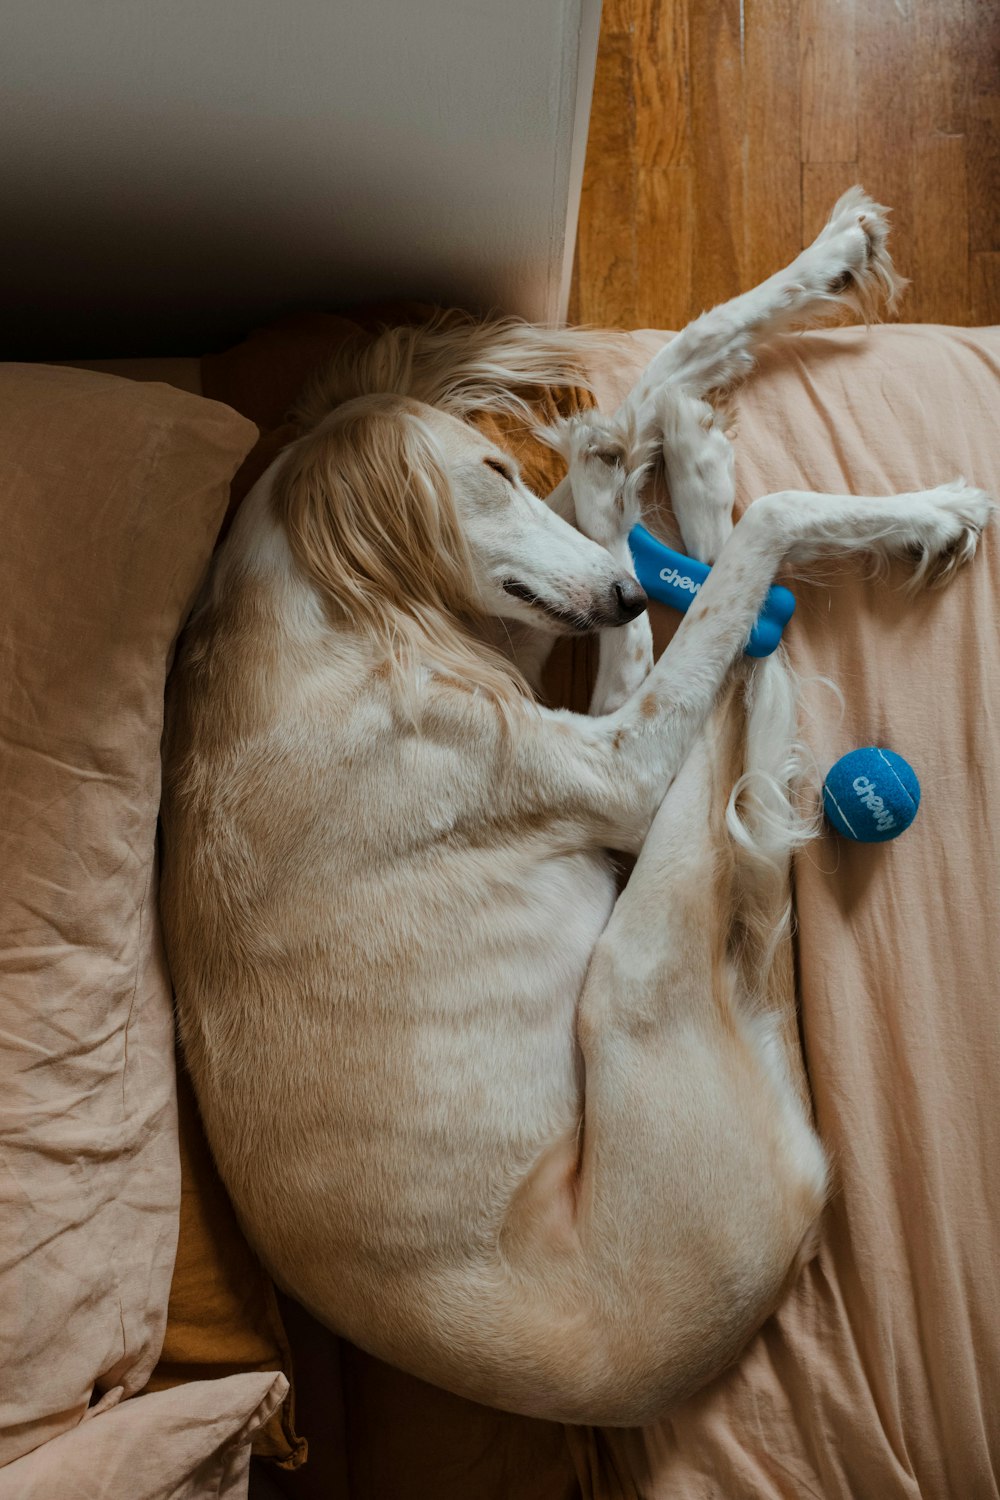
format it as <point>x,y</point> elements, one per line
<point>623,602</point>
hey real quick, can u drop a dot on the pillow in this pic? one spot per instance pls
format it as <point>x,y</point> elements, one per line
<point>111,494</point>
<point>222,1314</point>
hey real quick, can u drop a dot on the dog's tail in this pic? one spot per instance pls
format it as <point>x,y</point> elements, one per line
<point>773,810</point>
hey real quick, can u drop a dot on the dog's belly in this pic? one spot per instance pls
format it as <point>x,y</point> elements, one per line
<point>400,1114</point>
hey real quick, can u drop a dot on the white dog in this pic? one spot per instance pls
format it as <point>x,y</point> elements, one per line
<point>531,1143</point>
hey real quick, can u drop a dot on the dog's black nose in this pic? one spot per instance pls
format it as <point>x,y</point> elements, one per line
<point>629,600</point>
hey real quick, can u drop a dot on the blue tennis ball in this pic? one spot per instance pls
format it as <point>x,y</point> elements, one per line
<point>871,795</point>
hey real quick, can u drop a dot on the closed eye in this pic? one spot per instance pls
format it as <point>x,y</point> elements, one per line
<point>499,468</point>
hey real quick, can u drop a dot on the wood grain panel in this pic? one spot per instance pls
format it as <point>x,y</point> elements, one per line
<point>724,132</point>
<point>940,74</point>
<point>665,247</point>
<point>984,172</point>
<point>660,84</point>
<point>940,292</point>
<point>772,89</point>
<point>618,15</point>
<point>605,290</point>
<point>985,290</point>
<point>829,64</point>
<point>887,118</point>
<point>664,201</point>
<point>716,150</point>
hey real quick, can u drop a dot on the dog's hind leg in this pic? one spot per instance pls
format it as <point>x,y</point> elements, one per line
<point>700,1179</point>
<point>678,1184</point>
<point>846,266</point>
<point>685,1068</point>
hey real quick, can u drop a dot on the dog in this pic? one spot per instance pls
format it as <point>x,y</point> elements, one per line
<point>529,1139</point>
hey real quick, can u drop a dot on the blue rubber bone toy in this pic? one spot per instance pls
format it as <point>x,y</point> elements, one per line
<point>675,580</point>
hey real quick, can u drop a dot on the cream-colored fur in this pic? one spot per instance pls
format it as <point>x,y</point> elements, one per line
<point>544,1147</point>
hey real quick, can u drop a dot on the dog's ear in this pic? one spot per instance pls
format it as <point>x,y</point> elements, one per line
<point>371,521</point>
<point>367,507</point>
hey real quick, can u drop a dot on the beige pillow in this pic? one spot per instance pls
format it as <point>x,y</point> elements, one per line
<point>111,495</point>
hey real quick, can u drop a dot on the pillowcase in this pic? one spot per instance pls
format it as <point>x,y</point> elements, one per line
<point>192,1443</point>
<point>111,493</point>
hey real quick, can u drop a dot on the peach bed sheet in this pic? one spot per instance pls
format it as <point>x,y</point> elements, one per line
<point>880,1376</point>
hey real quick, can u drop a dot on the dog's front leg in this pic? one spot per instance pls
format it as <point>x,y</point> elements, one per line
<point>941,526</point>
<point>600,780</point>
<point>607,469</point>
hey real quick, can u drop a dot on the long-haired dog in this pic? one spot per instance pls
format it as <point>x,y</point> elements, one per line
<point>539,1145</point>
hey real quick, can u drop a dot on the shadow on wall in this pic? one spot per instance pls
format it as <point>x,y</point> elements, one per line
<point>172,273</point>
<point>174,174</point>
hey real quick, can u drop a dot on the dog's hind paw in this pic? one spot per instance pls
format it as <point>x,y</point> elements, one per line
<point>850,258</point>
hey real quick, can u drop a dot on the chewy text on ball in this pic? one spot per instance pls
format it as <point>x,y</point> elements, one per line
<point>871,795</point>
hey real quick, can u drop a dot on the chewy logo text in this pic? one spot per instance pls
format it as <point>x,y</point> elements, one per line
<point>679,580</point>
<point>868,795</point>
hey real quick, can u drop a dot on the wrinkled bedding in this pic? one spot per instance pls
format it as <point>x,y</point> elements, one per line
<point>111,494</point>
<point>880,1376</point>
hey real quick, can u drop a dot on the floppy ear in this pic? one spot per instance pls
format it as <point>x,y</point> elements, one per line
<point>367,506</point>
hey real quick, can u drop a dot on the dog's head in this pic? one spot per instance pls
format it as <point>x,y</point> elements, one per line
<point>528,563</point>
<point>394,505</point>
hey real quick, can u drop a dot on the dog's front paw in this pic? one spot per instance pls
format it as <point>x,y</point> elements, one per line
<point>607,468</point>
<point>958,513</point>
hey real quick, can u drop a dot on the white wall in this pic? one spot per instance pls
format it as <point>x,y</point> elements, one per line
<point>172,171</point>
